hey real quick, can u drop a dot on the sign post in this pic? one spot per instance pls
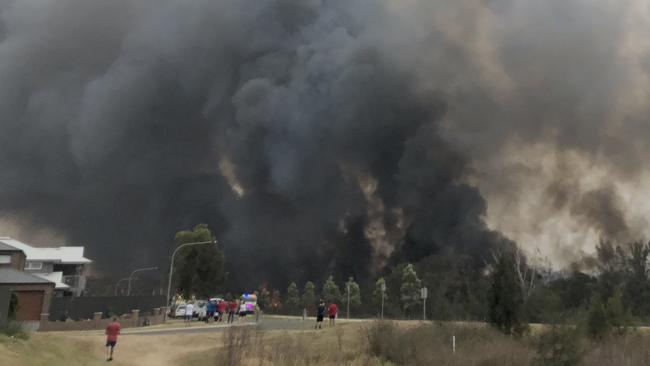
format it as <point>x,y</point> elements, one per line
<point>423,294</point>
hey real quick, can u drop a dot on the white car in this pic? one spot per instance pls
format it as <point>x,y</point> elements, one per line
<point>180,311</point>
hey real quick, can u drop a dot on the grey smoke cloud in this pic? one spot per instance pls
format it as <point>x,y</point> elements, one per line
<point>122,122</point>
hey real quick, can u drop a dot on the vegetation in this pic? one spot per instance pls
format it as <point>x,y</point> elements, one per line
<point>331,291</point>
<point>200,268</point>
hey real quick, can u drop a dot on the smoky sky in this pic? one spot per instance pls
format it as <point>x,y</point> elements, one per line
<point>319,137</point>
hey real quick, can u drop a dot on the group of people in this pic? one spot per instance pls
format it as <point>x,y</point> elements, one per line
<point>332,313</point>
<point>217,308</point>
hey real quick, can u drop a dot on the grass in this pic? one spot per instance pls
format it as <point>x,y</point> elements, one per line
<point>47,349</point>
<point>354,343</point>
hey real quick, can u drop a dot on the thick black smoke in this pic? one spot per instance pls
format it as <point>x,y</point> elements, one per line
<point>314,137</point>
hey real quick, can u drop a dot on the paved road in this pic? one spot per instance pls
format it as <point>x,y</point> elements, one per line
<point>270,323</point>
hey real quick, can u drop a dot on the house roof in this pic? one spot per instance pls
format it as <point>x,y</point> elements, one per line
<point>64,255</point>
<point>8,248</point>
<point>56,278</point>
<point>14,277</point>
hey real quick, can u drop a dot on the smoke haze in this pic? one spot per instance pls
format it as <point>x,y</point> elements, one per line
<point>324,136</point>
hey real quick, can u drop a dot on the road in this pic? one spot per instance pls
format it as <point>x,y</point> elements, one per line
<point>265,324</point>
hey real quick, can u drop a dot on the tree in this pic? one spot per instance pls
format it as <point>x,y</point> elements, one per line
<point>293,298</point>
<point>506,297</point>
<point>199,269</point>
<point>309,296</point>
<point>377,293</point>
<point>331,292</point>
<point>355,294</point>
<point>410,289</point>
<point>276,301</point>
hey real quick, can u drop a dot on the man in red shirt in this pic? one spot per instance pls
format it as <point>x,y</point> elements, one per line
<point>112,331</point>
<point>332,311</point>
<point>222,308</point>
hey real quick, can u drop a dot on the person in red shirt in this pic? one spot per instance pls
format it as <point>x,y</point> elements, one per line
<point>222,308</point>
<point>112,331</point>
<point>332,311</point>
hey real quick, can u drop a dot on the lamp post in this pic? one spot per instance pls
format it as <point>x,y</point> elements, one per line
<point>128,291</point>
<point>171,267</point>
<point>118,283</point>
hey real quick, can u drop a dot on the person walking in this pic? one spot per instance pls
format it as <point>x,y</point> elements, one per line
<point>332,312</point>
<point>112,331</point>
<point>189,313</point>
<point>320,314</point>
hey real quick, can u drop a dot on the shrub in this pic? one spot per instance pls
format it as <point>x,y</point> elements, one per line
<point>560,346</point>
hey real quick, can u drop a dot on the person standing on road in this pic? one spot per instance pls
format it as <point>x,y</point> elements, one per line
<point>232,309</point>
<point>223,308</point>
<point>189,312</point>
<point>211,308</point>
<point>332,311</point>
<point>112,331</point>
<point>320,314</point>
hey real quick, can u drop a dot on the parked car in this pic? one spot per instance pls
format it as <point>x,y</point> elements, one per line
<point>180,311</point>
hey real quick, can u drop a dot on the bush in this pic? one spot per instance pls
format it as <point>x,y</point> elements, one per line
<point>14,329</point>
<point>431,344</point>
<point>560,346</point>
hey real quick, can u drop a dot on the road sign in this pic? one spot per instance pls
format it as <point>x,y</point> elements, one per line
<point>424,293</point>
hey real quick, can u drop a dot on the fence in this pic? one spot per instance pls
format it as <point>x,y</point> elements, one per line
<point>80,308</point>
<point>134,319</point>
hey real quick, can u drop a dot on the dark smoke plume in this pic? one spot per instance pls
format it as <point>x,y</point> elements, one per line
<point>312,136</point>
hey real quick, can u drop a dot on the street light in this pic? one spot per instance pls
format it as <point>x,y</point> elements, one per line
<point>171,267</point>
<point>128,291</point>
<point>118,283</point>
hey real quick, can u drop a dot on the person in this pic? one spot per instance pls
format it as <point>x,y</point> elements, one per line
<point>189,312</point>
<point>211,308</point>
<point>232,309</point>
<point>112,331</point>
<point>320,314</point>
<point>223,307</point>
<point>243,310</point>
<point>332,311</point>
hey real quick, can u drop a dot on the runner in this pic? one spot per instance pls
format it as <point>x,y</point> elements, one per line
<point>189,312</point>
<point>112,331</point>
<point>223,307</point>
<point>332,311</point>
<point>320,315</point>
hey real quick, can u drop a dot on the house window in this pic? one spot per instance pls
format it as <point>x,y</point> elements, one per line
<point>5,259</point>
<point>34,265</point>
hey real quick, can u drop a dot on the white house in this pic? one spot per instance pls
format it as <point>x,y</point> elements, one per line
<point>65,266</point>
